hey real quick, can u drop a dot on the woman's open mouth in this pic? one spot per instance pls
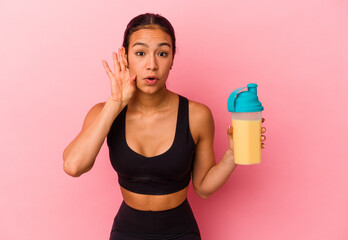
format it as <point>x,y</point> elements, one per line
<point>151,80</point>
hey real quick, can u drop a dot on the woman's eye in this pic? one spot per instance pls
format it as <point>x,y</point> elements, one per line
<point>140,53</point>
<point>162,54</point>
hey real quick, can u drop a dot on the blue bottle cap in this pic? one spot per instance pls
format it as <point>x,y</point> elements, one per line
<point>246,101</point>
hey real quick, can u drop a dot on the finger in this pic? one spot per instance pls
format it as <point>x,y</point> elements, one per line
<point>124,58</point>
<point>107,69</point>
<point>121,59</point>
<point>229,130</point>
<point>263,129</point>
<point>263,137</point>
<point>132,80</point>
<point>263,119</point>
<point>116,63</point>
<point>263,145</point>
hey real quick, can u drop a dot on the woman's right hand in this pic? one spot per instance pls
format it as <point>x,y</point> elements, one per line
<point>122,83</point>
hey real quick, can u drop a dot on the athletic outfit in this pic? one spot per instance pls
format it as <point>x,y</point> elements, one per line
<point>166,173</point>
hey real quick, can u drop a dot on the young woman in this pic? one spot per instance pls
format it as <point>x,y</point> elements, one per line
<point>156,139</point>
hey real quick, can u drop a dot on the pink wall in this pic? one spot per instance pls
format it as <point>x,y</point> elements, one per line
<point>51,75</point>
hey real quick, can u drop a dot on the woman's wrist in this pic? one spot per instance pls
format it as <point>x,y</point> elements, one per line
<point>116,102</point>
<point>114,106</point>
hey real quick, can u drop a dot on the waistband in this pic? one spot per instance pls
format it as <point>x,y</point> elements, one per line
<point>181,205</point>
<point>176,220</point>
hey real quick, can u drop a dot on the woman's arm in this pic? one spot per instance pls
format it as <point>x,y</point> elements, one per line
<point>80,154</point>
<point>207,176</point>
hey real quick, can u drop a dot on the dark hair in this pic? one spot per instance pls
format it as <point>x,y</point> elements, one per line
<point>148,21</point>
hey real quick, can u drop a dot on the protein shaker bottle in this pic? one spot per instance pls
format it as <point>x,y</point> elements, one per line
<point>246,112</point>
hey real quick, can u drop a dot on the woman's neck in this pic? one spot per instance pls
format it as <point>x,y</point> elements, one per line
<point>149,103</point>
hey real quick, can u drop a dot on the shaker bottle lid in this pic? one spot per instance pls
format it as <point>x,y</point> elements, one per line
<point>246,101</point>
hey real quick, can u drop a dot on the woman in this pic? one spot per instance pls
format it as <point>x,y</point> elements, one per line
<point>156,138</point>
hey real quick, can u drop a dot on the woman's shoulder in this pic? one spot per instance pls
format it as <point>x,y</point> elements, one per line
<point>96,108</point>
<point>200,120</point>
<point>198,109</point>
<point>200,114</point>
<point>93,113</point>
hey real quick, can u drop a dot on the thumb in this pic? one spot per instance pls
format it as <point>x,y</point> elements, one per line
<point>132,80</point>
<point>230,131</point>
<point>230,137</point>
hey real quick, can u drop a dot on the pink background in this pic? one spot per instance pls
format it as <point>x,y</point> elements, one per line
<point>296,51</point>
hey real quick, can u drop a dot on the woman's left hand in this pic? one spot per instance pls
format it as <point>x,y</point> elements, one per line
<point>230,137</point>
<point>263,137</point>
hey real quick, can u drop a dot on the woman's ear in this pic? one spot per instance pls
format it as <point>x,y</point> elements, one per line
<point>126,55</point>
<point>126,60</point>
<point>173,59</point>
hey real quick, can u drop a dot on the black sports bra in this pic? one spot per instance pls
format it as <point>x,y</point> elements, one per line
<point>162,174</point>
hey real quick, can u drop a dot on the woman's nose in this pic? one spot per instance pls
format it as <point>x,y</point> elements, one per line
<point>151,63</point>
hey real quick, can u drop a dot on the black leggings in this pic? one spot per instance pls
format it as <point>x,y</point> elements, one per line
<point>174,224</point>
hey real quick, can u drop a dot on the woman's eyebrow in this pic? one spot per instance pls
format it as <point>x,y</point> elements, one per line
<point>164,44</point>
<point>145,45</point>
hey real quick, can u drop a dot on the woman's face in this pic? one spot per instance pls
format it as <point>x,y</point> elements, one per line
<point>150,57</point>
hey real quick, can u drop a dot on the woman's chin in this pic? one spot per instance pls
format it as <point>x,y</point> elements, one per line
<point>152,89</point>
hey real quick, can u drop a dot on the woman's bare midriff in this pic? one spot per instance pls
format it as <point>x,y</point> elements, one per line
<point>146,202</point>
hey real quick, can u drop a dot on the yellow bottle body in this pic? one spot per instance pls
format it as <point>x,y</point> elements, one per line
<point>247,141</point>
